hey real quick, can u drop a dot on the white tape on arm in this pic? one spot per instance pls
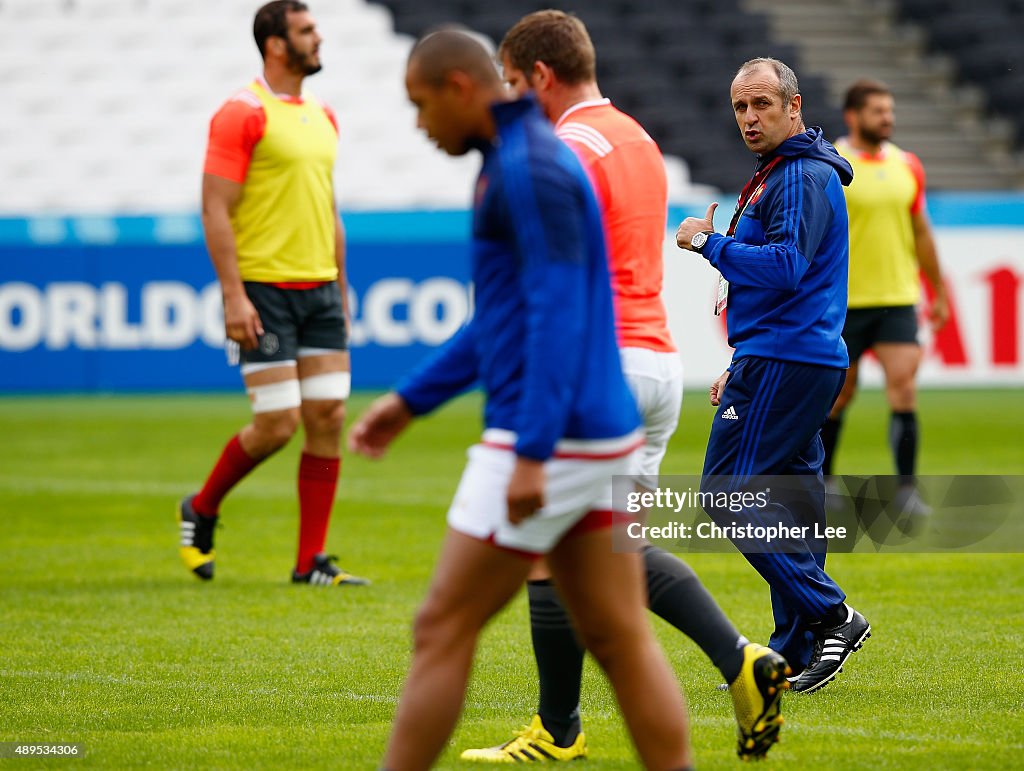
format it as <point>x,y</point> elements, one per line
<point>329,385</point>
<point>273,397</point>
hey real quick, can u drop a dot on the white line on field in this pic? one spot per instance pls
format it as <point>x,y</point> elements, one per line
<point>368,491</point>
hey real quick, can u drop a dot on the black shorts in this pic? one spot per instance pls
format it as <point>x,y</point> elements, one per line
<point>294,319</point>
<point>867,326</point>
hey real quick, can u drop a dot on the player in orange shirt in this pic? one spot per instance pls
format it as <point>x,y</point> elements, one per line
<point>277,244</point>
<point>550,53</point>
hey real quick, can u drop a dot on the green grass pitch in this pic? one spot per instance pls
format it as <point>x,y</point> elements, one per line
<point>107,641</point>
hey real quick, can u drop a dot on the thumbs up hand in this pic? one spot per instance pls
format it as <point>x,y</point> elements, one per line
<point>691,226</point>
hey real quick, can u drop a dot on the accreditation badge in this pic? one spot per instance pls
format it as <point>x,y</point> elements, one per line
<point>723,295</point>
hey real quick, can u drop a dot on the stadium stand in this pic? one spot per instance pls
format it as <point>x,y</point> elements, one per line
<point>984,40</point>
<point>940,115</point>
<point>666,62</point>
<point>108,101</point>
<point>108,104</point>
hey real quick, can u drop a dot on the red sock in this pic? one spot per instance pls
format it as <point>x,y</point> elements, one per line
<point>318,481</point>
<point>229,470</point>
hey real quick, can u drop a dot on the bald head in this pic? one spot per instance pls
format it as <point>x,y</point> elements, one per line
<point>443,51</point>
<point>452,80</point>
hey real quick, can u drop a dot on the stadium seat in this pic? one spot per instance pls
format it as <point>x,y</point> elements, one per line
<point>964,29</point>
<point>649,60</point>
<point>33,9</point>
<point>995,59</point>
<point>1007,96</point>
<point>120,112</point>
<point>983,39</point>
<point>919,10</point>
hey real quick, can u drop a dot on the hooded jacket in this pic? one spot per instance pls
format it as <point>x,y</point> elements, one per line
<point>787,262</point>
<point>541,341</point>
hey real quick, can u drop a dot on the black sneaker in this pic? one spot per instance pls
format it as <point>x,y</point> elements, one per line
<point>196,548</point>
<point>326,573</point>
<point>832,647</point>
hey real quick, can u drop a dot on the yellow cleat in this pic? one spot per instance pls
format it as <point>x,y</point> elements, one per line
<point>531,745</point>
<point>196,548</point>
<point>756,696</point>
<point>325,573</point>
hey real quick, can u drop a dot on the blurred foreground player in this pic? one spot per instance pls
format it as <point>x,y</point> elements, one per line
<point>891,243</point>
<point>550,54</point>
<point>277,245</point>
<point>559,419</point>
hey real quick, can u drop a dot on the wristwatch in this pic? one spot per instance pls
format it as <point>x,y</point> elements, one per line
<point>699,239</point>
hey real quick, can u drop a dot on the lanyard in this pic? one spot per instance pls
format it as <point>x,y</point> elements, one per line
<point>722,300</point>
<point>748,191</point>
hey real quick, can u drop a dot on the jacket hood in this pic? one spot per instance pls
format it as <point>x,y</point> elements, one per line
<point>812,144</point>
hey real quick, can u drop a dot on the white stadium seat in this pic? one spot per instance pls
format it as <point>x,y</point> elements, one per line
<point>116,120</point>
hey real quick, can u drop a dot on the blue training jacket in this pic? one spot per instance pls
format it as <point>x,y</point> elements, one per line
<point>542,339</point>
<point>788,260</point>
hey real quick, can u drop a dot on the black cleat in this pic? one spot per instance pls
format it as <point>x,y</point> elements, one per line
<point>196,548</point>
<point>832,647</point>
<point>326,573</point>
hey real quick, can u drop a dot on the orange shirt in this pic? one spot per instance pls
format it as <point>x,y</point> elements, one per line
<point>628,174</point>
<point>281,149</point>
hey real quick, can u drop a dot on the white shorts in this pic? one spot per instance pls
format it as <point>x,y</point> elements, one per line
<point>656,380</point>
<point>577,491</point>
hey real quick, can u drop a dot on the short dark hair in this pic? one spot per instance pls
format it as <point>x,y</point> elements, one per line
<point>857,94</point>
<point>272,21</point>
<point>558,39</point>
<point>454,47</point>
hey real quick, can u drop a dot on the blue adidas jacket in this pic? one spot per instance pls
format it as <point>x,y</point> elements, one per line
<point>542,339</point>
<point>787,263</point>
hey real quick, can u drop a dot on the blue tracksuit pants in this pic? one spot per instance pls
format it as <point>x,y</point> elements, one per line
<point>768,425</point>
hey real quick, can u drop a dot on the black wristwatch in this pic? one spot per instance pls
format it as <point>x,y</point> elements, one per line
<point>699,239</point>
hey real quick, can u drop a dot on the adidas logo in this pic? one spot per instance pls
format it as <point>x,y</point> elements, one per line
<point>730,414</point>
<point>188,533</point>
<point>319,578</point>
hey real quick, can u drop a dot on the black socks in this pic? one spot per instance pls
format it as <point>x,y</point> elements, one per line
<point>678,596</point>
<point>836,616</point>
<point>559,662</point>
<point>903,441</point>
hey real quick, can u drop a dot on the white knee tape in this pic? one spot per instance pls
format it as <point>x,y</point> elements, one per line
<point>261,366</point>
<point>330,385</point>
<point>273,397</point>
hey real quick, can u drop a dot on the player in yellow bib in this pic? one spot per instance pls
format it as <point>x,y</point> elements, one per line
<point>277,244</point>
<point>891,243</point>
